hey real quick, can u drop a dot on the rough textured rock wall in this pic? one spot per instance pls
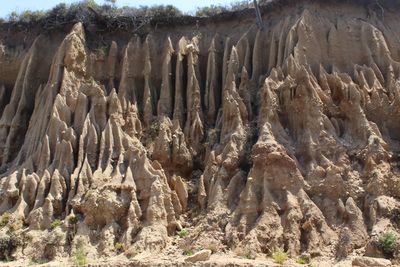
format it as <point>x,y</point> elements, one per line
<point>287,137</point>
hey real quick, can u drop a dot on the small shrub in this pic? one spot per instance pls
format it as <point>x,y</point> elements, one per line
<point>240,5</point>
<point>89,194</point>
<point>119,247</point>
<point>183,233</point>
<point>131,252</point>
<point>8,244</point>
<point>59,10</point>
<point>160,11</point>
<point>387,242</point>
<point>188,252</point>
<point>31,16</point>
<point>56,223</point>
<point>84,3</point>
<point>72,220</point>
<point>13,16</point>
<point>63,13</point>
<point>7,259</point>
<point>15,226</point>
<point>279,256</point>
<point>248,255</point>
<point>5,219</point>
<point>210,11</point>
<point>80,257</point>
<point>303,259</point>
<point>28,237</point>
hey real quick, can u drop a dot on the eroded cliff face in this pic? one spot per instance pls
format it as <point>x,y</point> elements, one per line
<point>252,140</point>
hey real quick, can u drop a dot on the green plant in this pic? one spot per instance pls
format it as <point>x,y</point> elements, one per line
<point>88,3</point>
<point>388,242</point>
<point>279,256</point>
<point>183,233</point>
<point>15,226</point>
<point>303,259</point>
<point>72,219</point>
<point>248,255</point>
<point>188,252</point>
<point>5,219</point>
<point>28,237</point>
<point>85,11</point>
<point>59,10</point>
<point>119,247</point>
<point>163,11</point>
<point>89,193</point>
<point>80,257</point>
<point>8,244</point>
<point>240,5</point>
<point>7,258</point>
<point>31,16</point>
<point>210,11</point>
<point>56,223</point>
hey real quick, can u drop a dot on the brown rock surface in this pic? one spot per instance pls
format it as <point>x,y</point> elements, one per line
<point>368,261</point>
<point>202,255</point>
<point>237,139</point>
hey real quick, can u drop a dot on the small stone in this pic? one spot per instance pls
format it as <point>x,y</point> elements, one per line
<point>369,261</point>
<point>202,255</point>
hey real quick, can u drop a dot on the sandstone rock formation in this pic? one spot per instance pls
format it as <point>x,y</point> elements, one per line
<point>282,138</point>
<point>367,261</point>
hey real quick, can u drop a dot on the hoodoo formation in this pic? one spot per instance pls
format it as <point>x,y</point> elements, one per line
<point>248,140</point>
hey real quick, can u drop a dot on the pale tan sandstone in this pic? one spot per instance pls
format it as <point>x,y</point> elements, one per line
<point>202,255</point>
<point>367,261</point>
<point>244,140</point>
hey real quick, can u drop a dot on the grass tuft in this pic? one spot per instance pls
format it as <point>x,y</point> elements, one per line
<point>280,256</point>
<point>388,243</point>
<point>56,223</point>
<point>5,219</point>
<point>80,257</point>
<point>183,233</point>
